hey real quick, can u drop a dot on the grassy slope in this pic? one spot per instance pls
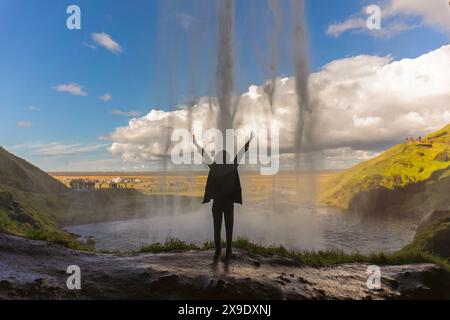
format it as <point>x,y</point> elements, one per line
<point>397,168</point>
<point>39,197</point>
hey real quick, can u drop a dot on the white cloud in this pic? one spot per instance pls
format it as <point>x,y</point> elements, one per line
<point>72,88</point>
<point>447,116</point>
<point>415,118</point>
<point>33,109</point>
<point>341,158</point>
<point>336,29</point>
<point>106,41</point>
<point>252,93</point>
<point>398,16</point>
<point>24,124</point>
<point>106,97</point>
<point>363,103</point>
<point>366,122</point>
<point>131,113</point>
<point>99,165</point>
<point>56,148</point>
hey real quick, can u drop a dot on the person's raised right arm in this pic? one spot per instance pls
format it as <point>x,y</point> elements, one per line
<point>202,151</point>
<point>241,153</point>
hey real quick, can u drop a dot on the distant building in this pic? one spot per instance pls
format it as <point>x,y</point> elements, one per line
<point>82,185</point>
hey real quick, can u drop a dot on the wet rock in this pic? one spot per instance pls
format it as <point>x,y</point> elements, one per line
<point>5,285</point>
<point>303,280</point>
<point>256,263</point>
<point>34,269</point>
<point>420,281</point>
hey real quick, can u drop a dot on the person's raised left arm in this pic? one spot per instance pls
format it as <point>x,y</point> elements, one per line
<point>202,151</point>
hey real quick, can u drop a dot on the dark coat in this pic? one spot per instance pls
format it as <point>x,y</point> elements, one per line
<point>223,183</point>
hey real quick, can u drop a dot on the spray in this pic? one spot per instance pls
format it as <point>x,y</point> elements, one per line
<point>269,88</point>
<point>225,64</point>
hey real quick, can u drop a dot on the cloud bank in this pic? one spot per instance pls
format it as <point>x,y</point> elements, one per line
<point>360,105</point>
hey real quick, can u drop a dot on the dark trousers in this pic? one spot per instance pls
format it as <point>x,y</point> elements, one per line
<point>220,209</point>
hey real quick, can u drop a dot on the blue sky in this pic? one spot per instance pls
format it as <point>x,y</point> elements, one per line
<point>154,69</point>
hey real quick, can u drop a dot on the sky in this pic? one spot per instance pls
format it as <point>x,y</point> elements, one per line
<point>83,100</point>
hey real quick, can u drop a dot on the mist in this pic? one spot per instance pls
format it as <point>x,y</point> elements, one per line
<point>210,61</point>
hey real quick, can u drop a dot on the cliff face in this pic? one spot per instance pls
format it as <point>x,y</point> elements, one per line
<point>414,200</point>
<point>20,175</point>
<point>37,270</point>
<point>433,234</point>
<point>29,199</point>
<point>412,178</point>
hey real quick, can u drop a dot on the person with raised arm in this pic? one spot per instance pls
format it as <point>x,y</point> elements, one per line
<point>223,186</point>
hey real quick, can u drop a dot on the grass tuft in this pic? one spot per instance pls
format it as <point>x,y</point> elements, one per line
<point>172,244</point>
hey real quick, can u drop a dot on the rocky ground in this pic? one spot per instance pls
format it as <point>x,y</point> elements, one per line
<point>37,270</point>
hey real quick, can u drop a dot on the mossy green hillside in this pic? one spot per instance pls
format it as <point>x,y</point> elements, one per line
<point>399,167</point>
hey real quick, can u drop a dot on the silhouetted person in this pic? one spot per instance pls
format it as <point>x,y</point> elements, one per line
<point>223,186</point>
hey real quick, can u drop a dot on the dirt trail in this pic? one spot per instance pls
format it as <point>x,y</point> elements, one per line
<point>36,269</point>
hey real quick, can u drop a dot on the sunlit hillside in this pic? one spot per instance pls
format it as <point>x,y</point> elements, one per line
<point>426,160</point>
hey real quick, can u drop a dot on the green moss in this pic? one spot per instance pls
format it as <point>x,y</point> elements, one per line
<point>7,225</point>
<point>57,237</point>
<point>46,233</point>
<point>434,240</point>
<point>248,246</point>
<point>169,245</point>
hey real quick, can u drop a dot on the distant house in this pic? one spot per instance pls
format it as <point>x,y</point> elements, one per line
<point>421,142</point>
<point>82,185</point>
